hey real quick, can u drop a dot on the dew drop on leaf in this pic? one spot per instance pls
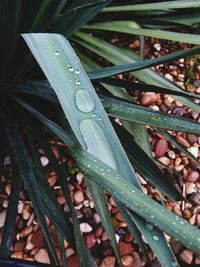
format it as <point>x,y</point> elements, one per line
<point>77,71</point>
<point>56,53</point>
<point>149,226</point>
<point>78,82</point>
<point>155,238</point>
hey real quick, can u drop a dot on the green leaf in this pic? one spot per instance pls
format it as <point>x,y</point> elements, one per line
<point>109,71</point>
<point>10,220</point>
<point>181,4</point>
<point>136,113</point>
<point>131,27</point>
<point>67,23</point>
<point>105,216</point>
<point>131,86</point>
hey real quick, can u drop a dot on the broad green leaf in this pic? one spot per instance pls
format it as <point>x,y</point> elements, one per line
<point>181,4</point>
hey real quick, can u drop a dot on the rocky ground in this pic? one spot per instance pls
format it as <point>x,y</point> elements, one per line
<point>29,241</point>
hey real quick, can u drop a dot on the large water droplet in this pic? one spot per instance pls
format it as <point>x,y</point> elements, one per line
<point>56,53</point>
<point>97,143</point>
<point>149,226</point>
<point>155,238</point>
<point>84,101</point>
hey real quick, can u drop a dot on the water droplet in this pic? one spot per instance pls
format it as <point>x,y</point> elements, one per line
<point>71,69</point>
<point>78,82</point>
<point>77,71</point>
<point>182,222</point>
<point>149,226</point>
<point>88,165</point>
<point>68,65</point>
<point>133,191</point>
<point>155,238</point>
<point>56,53</point>
<point>84,101</point>
<point>152,216</point>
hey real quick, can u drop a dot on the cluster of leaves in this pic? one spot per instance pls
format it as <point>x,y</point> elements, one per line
<point>31,104</point>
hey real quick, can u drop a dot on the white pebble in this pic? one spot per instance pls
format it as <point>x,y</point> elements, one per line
<point>157,46</point>
<point>169,77</point>
<point>44,161</point>
<point>194,151</point>
<point>85,227</point>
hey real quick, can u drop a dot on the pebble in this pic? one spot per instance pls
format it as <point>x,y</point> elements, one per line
<point>42,256</point>
<point>2,218</point>
<point>44,161</point>
<point>194,151</point>
<point>85,227</point>
<point>198,220</point>
<point>194,198</point>
<point>19,246</point>
<point>18,255</point>
<point>38,239</point>
<point>79,177</point>
<point>69,252</point>
<point>90,240</point>
<point>182,141</point>
<point>169,77</point>
<point>190,188</point>
<point>148,99</point>
<point>97,218</point>
<point>192,139</point>
<point>157,46</point>
<point>73,261</point>
<point>186,256</point>
<point>78,196</point>
<point>164,160</point>
<point>161,148</point>
<point>171,154</point>
<point>193,176</point>
<point>125,248</point>
<point>109,261</point>
<point>104,236</point>
<point>127,261</point>
<point>26,211</point>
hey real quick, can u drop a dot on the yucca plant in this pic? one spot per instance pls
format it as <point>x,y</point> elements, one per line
<point>59,98</point>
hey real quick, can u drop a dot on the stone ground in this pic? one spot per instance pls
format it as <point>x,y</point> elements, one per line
<point>29,241</point>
